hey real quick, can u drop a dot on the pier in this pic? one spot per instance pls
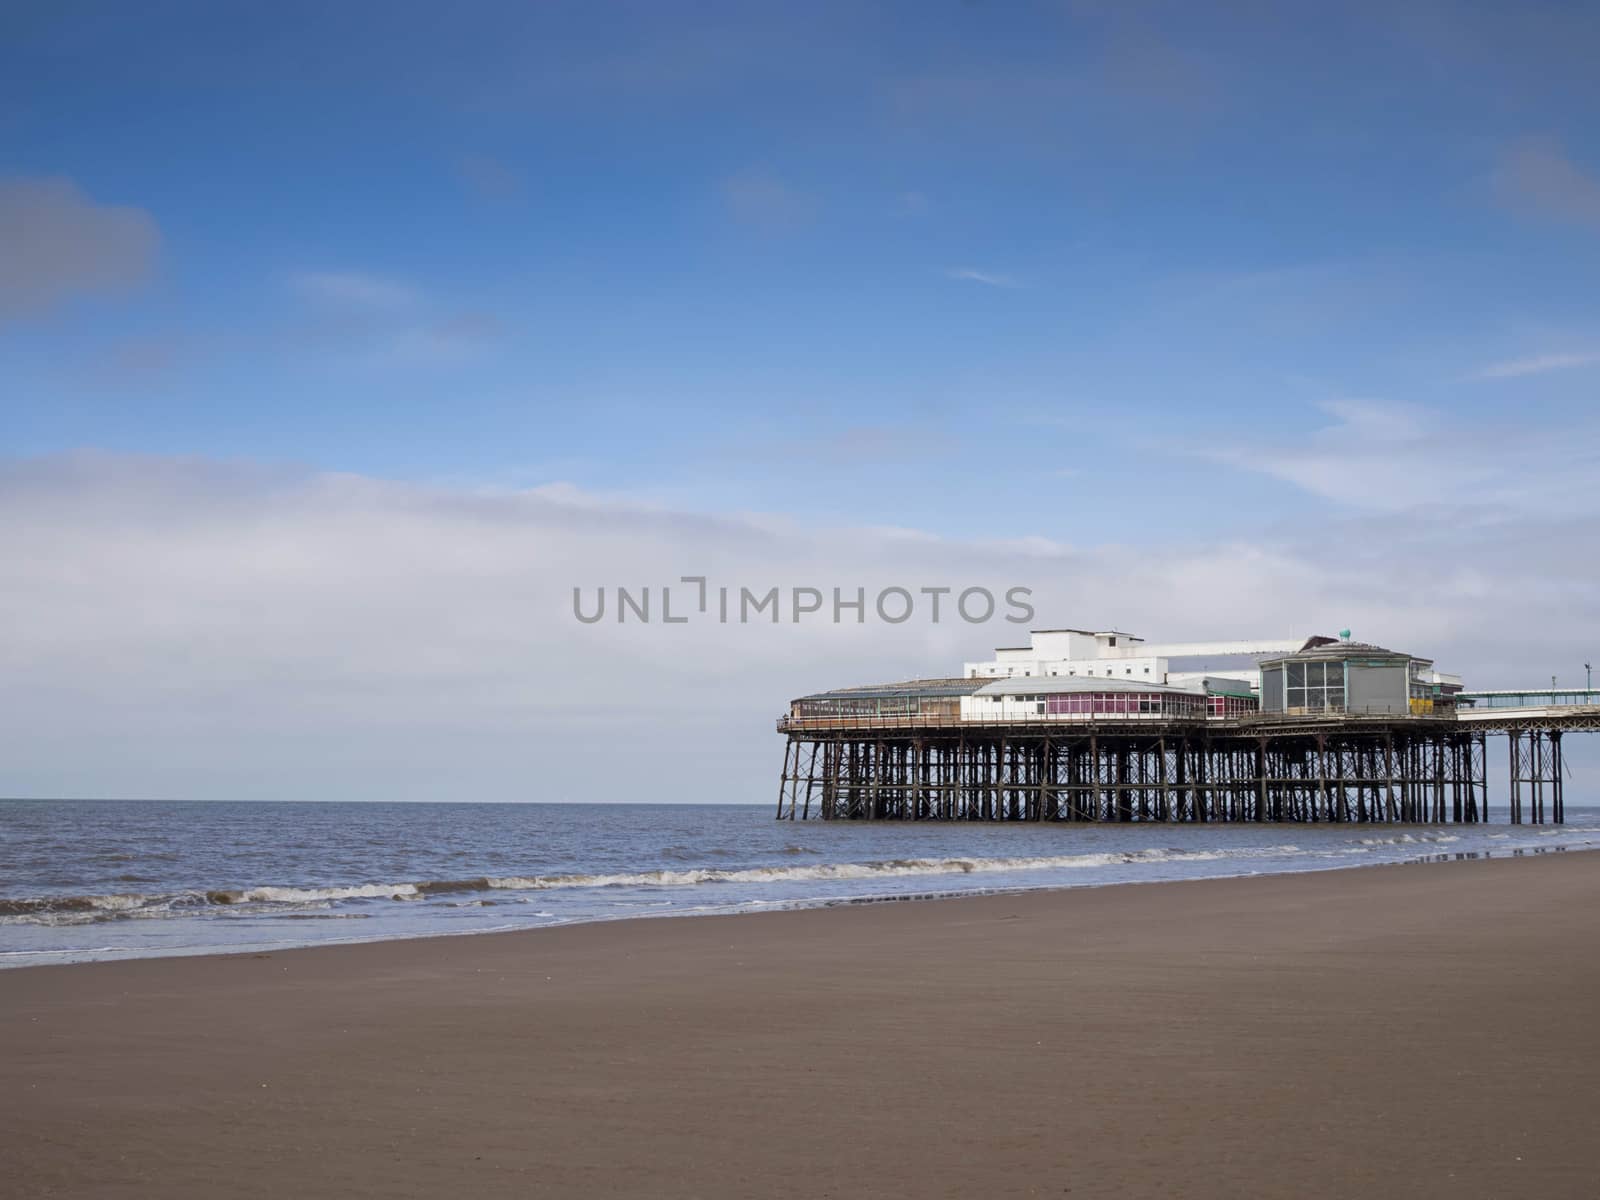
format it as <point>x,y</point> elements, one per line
<point>1044,745</point>
<point>1409,769</point>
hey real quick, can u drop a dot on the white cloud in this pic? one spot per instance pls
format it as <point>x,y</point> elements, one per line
<point>990,278</point>
<point>193,628</point>
<point>56,243</point>
<point>1536,365</point>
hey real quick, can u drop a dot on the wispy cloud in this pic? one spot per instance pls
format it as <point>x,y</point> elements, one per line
<point>447,340</point>
<point>354,289</point>
<point>1370,457</point>
<point>988,278</point>
<point>1538,175</point>
<point>853,446</point>
<point>55,243</point>
<point>1384,457</point>
<point>379,321</point>
<point>1375,420</point>
<point>1536,365</point>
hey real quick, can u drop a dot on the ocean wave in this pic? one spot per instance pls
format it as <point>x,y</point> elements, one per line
<point>95,907</point>
<point>122,906</point>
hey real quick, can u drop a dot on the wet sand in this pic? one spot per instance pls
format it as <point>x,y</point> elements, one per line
<point>1424,1030</point>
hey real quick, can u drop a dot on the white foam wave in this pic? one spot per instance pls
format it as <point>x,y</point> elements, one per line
<point>877,870</point>
<point>1408,839</point>
<point>302,895</point>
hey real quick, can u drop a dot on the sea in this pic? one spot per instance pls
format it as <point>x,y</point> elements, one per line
<point>88,880</point>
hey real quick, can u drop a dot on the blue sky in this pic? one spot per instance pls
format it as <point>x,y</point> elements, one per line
<point>702,250</point>
<point>1113,277</point>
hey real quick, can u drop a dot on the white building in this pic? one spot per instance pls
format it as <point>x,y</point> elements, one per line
<point>1113,654</point>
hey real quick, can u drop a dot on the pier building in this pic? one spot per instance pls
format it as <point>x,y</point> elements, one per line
<point>1114,654</point>
<point>1354,677</point>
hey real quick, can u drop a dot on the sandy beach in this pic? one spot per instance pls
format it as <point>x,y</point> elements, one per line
<point>1425,1030</point>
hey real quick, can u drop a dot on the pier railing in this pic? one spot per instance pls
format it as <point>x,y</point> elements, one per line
<point>1234,723</point>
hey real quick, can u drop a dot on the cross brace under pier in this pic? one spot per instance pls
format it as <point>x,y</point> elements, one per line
<point>1536,767</point>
